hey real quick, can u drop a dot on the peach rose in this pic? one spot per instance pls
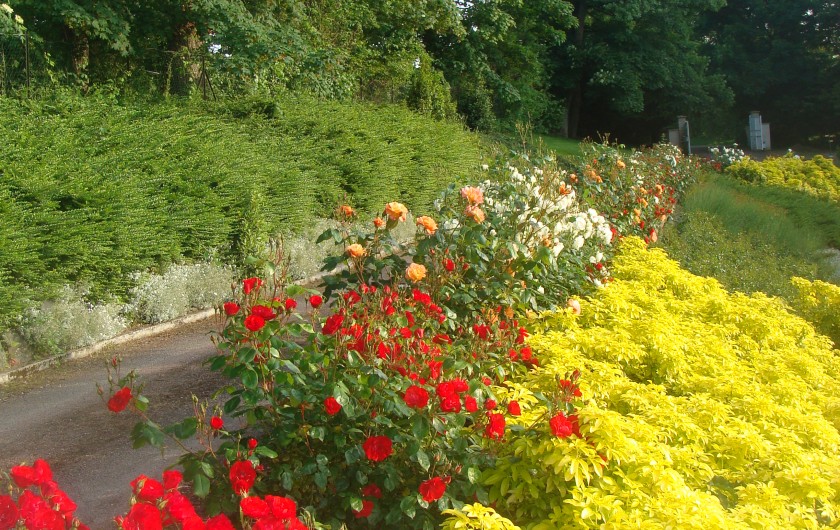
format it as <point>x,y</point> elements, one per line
<point>396,211</point>
<point>428,223</point>
<point>379,222</point>
<point>356,250</point>
<point>472,194</point>
<point>475,213</point>
<point>574,305</point>
<point>415,272</point>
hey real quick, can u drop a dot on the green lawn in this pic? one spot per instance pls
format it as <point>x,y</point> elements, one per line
<point>561,146</point>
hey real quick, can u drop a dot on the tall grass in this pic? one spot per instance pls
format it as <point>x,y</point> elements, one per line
<point>755,238</point>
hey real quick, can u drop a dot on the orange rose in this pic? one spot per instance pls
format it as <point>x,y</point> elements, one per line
<point>475,213</point>
<point>428,223</point>
<point>472,194</point>
<point>415,272</point>
<point>356,250</point>
<point>379,222</point>
<point>346,210</point>
<point>621,164</point>
<point>396,211</point>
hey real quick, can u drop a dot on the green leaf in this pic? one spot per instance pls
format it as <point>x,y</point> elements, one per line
<point>147,433</point>
<point>409,506</point>
<point>420,426</point>
<point>289,366</point>
<point>265,451</point>
<point>356,503</point>
<point>473,474</point>
<point>250,379</point>
<point>183,430</point>
<point>201,486</point>
<point>232,404</point>
<point>423,460</point>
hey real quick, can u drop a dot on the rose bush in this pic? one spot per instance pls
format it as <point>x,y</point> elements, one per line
<point>394,395</point>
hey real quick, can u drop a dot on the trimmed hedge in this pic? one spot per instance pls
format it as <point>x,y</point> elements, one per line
<point>92,190</point>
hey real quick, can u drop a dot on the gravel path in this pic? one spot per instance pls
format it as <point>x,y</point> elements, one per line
<point>58,416</point>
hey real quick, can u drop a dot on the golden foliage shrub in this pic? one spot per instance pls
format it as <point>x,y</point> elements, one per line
<point>819,303</point>
<point>700,409</point>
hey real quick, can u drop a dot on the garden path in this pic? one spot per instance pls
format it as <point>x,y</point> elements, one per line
<point>58,416</point>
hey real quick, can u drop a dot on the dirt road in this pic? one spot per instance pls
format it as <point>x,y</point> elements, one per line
<point>58,416</point>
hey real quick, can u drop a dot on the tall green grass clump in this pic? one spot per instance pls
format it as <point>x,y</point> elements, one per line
<point>93,191</point>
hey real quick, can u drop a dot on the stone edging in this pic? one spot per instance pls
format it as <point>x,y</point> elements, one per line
<point>142,333</point>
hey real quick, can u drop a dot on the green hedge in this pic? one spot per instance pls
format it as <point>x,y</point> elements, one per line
<point>92,190</point>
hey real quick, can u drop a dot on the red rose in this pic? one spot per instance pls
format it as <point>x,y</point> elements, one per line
<point>495,427</point>
<point>9,514</point>
<point>242,476</point>
<point>216,423</point>
<point>489,404</point>
<point>143,516</point>
<point>60,501</point>
<point>315,301</point>
<point>372,490</point>
<point>264,312</point>
<point>470,404</point>
<point>254,507</point>
<point>120,400</point>
<point>561,426</point>
<point>220,522</point>
<point>378,448</point>
<point>252,444</point>
<point>250,284</point>
<point>450,403</point>
<point>179,507</point>
<point>281,507</point>
<point>254,322</point>
<point>514,409</point>
<point>24,476</point>
<point>416,397</point>
<point>332,406</point>
<point>367,509</point>
<point>231,308</point>
<point>482,331</point>
<point>193,523</point>
<point>432,489</point>
<point>449,265</point>
<point>290,304</point>
<point>45,519</point>
<point>147,489</point>
<point>172,479</point>
<point>332,324</point>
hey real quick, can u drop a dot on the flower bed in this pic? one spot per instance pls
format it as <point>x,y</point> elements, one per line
<point>387,403</point>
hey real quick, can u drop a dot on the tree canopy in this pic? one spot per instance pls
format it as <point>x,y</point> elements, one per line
<point>583,67</point>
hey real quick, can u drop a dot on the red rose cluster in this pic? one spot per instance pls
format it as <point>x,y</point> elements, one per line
<point>159,505</point>
<point>41,503</point>
<point>271,512</point>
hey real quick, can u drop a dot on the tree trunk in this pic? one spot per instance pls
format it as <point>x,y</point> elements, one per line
<point>186,63</point>
<point>574,100</point>
<point>81,55</point>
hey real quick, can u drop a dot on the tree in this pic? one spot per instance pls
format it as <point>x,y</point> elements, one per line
<point>630,66</point>
<point>781,57</point>
<point>499,65</point>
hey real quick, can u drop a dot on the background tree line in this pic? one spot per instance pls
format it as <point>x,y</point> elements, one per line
<point>578,67</point>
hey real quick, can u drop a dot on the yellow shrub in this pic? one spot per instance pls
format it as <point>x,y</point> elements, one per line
<point>817,176</point>
<point>701,409</point>
<point>476,517</point>
<point>819,303</point>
